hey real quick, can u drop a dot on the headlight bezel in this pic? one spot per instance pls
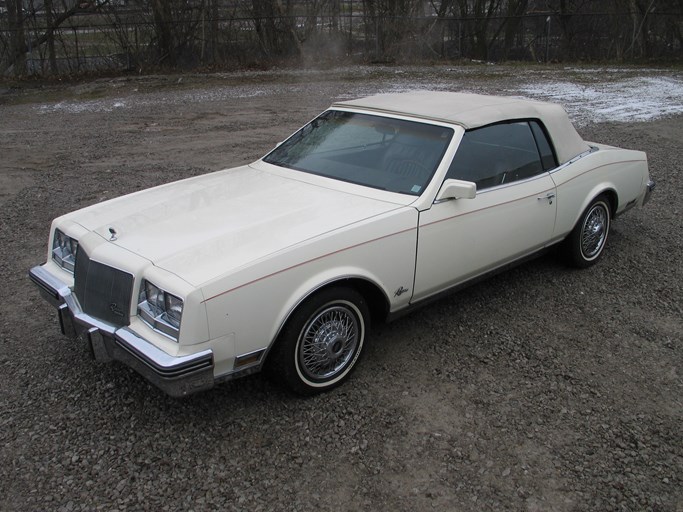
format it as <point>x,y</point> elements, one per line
<point>159,309</point>
<point>64,249</point>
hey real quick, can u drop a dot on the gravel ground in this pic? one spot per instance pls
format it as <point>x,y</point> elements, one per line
<point>541,389</point>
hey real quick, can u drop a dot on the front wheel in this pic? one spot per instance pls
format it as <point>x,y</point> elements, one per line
<point>322,341</point>
<point>587,240</point>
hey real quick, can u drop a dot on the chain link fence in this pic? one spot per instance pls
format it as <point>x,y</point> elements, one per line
<point>126,39</point>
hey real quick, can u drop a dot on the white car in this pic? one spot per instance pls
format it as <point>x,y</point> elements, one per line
<point>375,207</point>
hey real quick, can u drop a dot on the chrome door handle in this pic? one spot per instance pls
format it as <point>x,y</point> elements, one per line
<point>548,197</point>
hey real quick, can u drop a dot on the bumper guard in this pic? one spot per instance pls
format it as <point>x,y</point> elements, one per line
<point>649,187</point>
<point>177,376</point>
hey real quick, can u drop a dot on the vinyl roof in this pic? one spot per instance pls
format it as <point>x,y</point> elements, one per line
<point>477,110</point>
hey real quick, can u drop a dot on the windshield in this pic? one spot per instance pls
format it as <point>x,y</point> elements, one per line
<point>379,152</point>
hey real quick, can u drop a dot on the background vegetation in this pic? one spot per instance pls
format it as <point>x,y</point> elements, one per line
<point>39,37</point>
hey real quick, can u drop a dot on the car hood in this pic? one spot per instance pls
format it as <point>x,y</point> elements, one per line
<point>209,225</point>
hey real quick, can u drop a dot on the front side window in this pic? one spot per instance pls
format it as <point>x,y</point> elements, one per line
<point>496,155</point>
<point>378,152</point>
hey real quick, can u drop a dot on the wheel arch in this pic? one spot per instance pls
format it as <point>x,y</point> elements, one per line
<point>608,191</point>
<point>377,301</point>
<point>613,199</point>
<point>573,248</point>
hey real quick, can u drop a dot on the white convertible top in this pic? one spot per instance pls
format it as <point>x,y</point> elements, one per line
<point>476,110</point>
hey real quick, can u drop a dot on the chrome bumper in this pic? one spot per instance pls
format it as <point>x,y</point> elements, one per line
<point>177,376</point>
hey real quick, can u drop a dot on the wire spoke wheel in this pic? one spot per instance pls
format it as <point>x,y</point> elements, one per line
<point>322,341</point>
<point>594,231</point>
<point>328,342</point>
<point>586,243</point>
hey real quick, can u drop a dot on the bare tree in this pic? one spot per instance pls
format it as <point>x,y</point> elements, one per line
<point>513,27</point>
<point>17,44</point>
<point>18,19</point>
<point>482,20</point>
<point>175,25</point>
<point>483,12</point>
<point>49,15</point>
<point>276,28</point>
<point>565,11</point>
<point>173,33</point>
<point>389,23</point>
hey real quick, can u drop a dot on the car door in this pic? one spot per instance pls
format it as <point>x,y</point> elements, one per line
<point>512,215</point>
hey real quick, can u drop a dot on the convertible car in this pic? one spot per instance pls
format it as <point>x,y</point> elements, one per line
<point>373,208</point>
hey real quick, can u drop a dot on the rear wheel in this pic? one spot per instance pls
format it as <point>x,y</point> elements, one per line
<point>322,341</point>
<point>586,242</point>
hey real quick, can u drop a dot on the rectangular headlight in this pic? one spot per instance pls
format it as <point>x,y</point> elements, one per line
<point>173,309</point>
<point>161,310</point>
<point>64,251</point>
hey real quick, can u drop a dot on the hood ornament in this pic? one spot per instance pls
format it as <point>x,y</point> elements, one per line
<point>113,234</point>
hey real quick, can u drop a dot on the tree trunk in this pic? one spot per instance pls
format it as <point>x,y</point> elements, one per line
<point>264,23</point>
<point>567,35</point>
<point>516,8</point>
<point>50,37</point>
<point>15,18</point>
<point>214,30</point>
<point>161,10</point>
<point>484,10</point>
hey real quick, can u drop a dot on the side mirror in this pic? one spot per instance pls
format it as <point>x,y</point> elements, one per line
<point>457,189</point>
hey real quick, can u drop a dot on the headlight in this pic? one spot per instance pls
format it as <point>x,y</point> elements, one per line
<point>159,309</point>
<point>64,251</point>
<point>174,309</point>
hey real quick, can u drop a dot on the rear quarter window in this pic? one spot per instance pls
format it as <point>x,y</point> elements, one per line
<point>548,158</point>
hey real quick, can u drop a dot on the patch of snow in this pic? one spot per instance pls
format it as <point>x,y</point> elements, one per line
<point>630,100</point>
<point>195,96</point>
<point>590,95</point>
<point>78,107</point>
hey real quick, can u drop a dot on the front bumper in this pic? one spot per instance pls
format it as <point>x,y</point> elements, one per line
<point>177,376</point>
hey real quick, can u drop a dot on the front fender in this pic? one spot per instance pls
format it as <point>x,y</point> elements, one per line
<point>255,304</point>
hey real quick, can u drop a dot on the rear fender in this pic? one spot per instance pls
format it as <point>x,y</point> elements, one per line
<point>603,188</point>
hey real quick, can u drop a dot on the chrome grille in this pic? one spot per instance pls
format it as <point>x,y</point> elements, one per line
<point>103,291</point>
